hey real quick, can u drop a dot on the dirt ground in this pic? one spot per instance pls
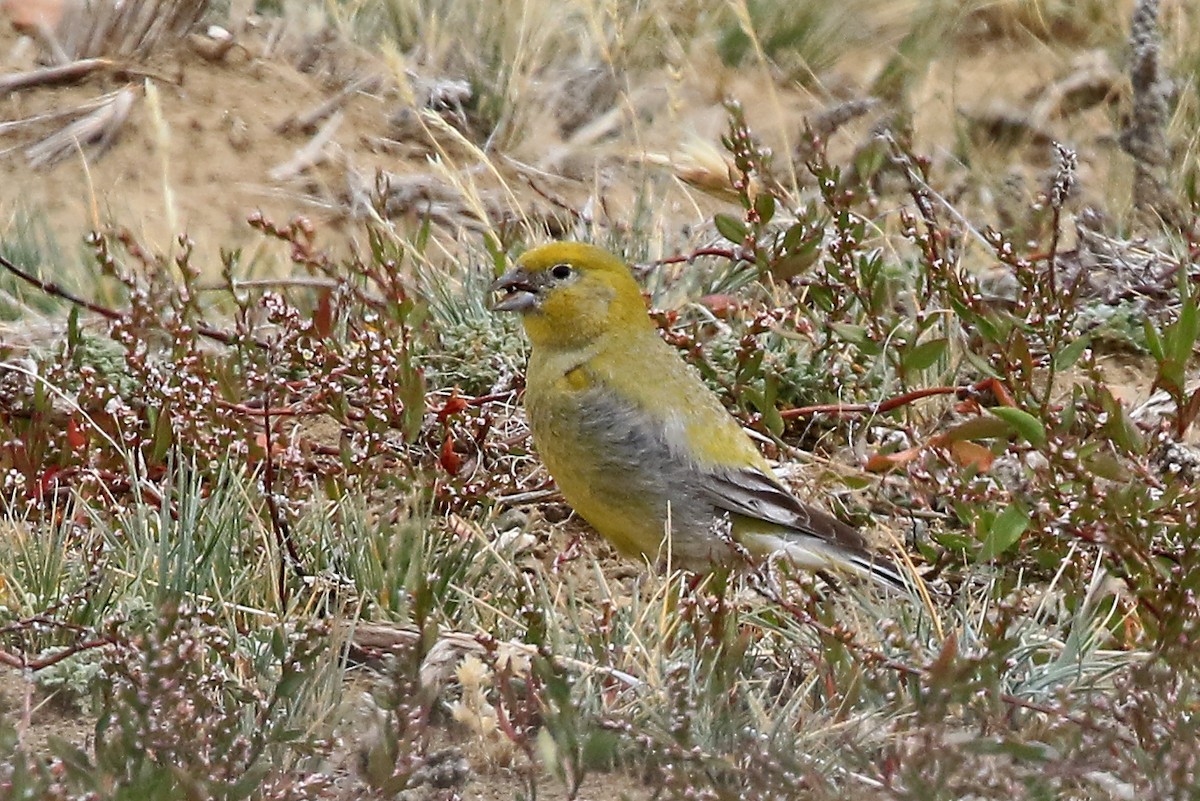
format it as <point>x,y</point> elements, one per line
<point>219,148</point>
<point>45,716</point>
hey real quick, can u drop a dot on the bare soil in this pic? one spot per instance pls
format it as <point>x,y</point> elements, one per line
<point>206,165</point>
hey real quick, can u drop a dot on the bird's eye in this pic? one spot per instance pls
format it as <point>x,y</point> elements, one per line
<point>561,271</point>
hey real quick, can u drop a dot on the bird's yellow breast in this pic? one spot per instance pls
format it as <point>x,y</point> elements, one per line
<point>625,446</point>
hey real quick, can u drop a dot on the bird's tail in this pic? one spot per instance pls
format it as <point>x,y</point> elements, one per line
<point>812,553</point>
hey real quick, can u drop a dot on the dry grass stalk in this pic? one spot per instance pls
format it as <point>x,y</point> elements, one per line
<point>129,29</point>
<point>307,121</point>
<point>311,154</point>
<point>57,114</point>
<point>100,126</point>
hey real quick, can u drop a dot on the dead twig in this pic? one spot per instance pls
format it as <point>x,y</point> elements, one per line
<point>49,76</point>
<point>311,154</point>
<point>308,121</point>
<point>20,662</point>
<point>44,621</point>
<point>127,29</point>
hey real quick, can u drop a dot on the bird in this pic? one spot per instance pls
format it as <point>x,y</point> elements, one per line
<point>639,446</point>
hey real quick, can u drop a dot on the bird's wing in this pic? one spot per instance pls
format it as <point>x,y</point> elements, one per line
<point>752,493</point>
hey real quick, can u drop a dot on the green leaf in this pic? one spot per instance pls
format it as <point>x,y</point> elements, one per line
<point>496,252</point>
<point>1181,338</point>
<point>1004,532</point>
<point>792,237</point>
<point>978,428</point>
<point>856,482</point>
<point>600,749</point>
<point>821,297</point>
<point>278,644</point>
<point>73,338</point>
<point>953,540</point>
<point>764,403</point>
<point>855,335</point>
<point>412,394</point>
<point>924,355</point>
<point>1154,343</point>
<point>1025,424</point>
<point>163,436</point>
<point>764,204</point>
<point>770,411</point>
<point>547,748</point>
<point>979,362</point>
<point>1023,751</point>
<point>731,228</point>
<point>1105,465</point>
<point>793,264</point>
<point>869,161</point>
<point>1120,429</point>
<point>750,369</point>
<point>290,683</point>
<point>1065,359</point>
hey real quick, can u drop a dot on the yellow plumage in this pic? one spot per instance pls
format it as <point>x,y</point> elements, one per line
<point>634,438</point>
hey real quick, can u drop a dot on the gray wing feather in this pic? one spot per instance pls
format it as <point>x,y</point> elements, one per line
<point>756,495</point>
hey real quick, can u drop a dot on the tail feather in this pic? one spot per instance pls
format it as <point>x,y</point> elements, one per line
<point>812,553</point>
<point>881,570</point>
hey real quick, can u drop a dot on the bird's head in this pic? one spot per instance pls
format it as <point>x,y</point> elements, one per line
<point>569,293</point>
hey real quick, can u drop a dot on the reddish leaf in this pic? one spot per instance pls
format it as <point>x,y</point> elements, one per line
<point>970,454</point>
<point>451,462</point>
<point>721,305</point>
<point>1187,415</point>
<point>323,315</point>
<point>968,406</point>
<point>886,462</point>
<point>46,482</point>
<point>943,663</point>
<point>454,405</point>
<point>259,449</point>
<point>75,436</point>
<point>1003,396</point>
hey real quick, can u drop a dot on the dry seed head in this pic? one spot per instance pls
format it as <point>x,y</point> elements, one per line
<point>1064,176</point>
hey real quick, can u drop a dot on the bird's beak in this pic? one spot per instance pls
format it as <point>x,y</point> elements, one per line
<point>520,293</point>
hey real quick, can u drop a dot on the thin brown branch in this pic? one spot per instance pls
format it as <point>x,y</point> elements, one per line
<point>868,408</point>
<point>20,662</point>
<point>54,290</point>
<point>553,200</point>
<point>724,253</point>
<point>289,556</point>
<point>883,407</point>
<point>299,410</point>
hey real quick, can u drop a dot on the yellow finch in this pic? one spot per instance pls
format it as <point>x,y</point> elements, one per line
<point>638,444</point>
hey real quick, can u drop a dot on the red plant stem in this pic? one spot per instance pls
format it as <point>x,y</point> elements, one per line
<point>888,405</point>
<point>724,253</point>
